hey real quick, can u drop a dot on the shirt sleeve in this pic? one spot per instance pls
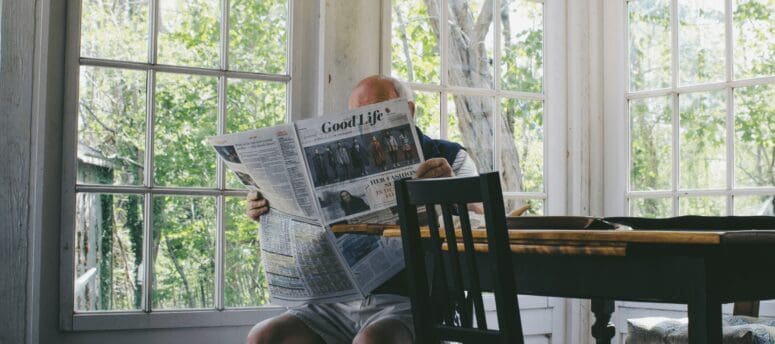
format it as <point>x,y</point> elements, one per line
<point>464,166</point>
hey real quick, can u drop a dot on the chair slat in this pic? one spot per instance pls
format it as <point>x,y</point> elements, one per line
<point>476,290</point>
<point>457,289</point>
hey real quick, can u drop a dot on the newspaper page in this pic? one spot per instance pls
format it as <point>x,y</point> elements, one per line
<point>354,159</point>
<point>302,264</point>
<point>270,160</point>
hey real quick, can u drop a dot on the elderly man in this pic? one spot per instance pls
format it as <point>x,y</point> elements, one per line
<point>384,316</point>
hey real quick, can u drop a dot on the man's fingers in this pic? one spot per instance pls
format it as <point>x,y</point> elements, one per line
<point>257,204</point>
<point>254,196</point>
<point>255,214</point>
<point>434,168</point>
<point>427,169</point>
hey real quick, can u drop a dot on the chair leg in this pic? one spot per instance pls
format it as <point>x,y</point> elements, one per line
<point>602,330</point>
<point>704,318</point>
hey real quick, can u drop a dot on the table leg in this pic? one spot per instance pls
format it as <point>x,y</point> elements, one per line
<point>704,318</point>
<point>603,330</point>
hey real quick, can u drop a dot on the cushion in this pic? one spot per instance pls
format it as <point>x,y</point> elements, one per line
<point>736,330</point>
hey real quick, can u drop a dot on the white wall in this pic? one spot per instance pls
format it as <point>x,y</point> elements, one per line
<point>352,43</point>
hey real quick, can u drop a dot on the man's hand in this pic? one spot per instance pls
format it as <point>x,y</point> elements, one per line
<point>434,168</point>
<point>256,205</point>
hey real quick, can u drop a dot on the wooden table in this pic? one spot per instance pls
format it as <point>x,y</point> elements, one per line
<point>698,268</point>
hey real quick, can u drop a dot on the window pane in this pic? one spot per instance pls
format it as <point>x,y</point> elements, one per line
<point>186,113</point>
<point>754,32</point>
<point>258,35</point>
<point>415,40</point>
<point>536,206</point>
<point>184,247</point>
<point>522,153</point>
<point>755,205</point>
<point>470,45</point>
<point>701,41</point>
<point>108,252</point>
<point>522,46</point>
<point>427,113</point>
<point>244,280</point>
<point>649,44</point>
<point>252,104</point>
<point>111,126</point>
<point>706,206</point>
<point>189,32</point>
<point>651,207</point>
<point>702,141</point>
<point>115,29</point>
<point>470,124</point>
<point>651,145</point>
<point>755,135</point>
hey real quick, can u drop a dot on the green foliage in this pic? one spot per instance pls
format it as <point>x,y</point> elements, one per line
<point>415,52</point>
<point>258,35</point>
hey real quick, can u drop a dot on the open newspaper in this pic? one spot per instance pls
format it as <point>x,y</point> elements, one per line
<point>318,172</point>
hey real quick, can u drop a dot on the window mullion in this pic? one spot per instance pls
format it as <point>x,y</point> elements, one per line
<point>153,31</point>
<point>220,168</point>
<point>730,135</point>
<point>220,203</point>
<point>224,35</point>
<point>289,24</point>
<point>444,77</point>
<point>219,251</point>
<point>496,120</point>
<point>153,40</point>
<point>674,84</point>
<point>148,200</point>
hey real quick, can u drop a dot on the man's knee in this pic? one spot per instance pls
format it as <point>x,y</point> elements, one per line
<point>388,331</point>
<point>282,329</point>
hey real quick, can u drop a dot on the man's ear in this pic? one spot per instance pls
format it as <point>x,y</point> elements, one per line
<point>411,108</point>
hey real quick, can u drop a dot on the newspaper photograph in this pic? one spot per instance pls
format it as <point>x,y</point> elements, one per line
<point>355,157</point>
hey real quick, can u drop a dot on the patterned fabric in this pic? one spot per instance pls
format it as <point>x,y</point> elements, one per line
<point>736,330</point>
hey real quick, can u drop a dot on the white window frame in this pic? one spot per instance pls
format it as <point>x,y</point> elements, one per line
<point>553,96</point>
<point>617,159</point>
<point>146,318</point>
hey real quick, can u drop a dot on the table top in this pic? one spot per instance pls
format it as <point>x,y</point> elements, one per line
<point>586,242</point>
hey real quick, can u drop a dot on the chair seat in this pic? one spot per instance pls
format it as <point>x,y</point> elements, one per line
<point>736,330</point>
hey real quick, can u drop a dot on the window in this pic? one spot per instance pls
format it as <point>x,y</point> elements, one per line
<point>479,81</point>
<point>155,223</point>
<point>699,98</point>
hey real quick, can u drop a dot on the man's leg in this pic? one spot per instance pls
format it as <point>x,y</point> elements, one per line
<point>283,329</point>
<point>385,331</point>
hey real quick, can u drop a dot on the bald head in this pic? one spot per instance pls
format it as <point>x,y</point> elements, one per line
<point>375,89</point>
<point>371,90</point>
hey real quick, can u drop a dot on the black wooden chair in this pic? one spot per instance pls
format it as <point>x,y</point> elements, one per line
<point>442,301</point>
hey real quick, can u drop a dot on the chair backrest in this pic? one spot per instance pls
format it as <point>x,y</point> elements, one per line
<point>444,278</point>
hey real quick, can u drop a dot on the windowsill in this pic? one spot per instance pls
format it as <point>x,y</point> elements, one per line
<point>171,319</point>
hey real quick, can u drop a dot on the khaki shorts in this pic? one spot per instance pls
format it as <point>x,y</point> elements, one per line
<point>341,322</point>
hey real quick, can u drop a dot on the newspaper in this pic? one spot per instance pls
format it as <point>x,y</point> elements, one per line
<point>319,172</point>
